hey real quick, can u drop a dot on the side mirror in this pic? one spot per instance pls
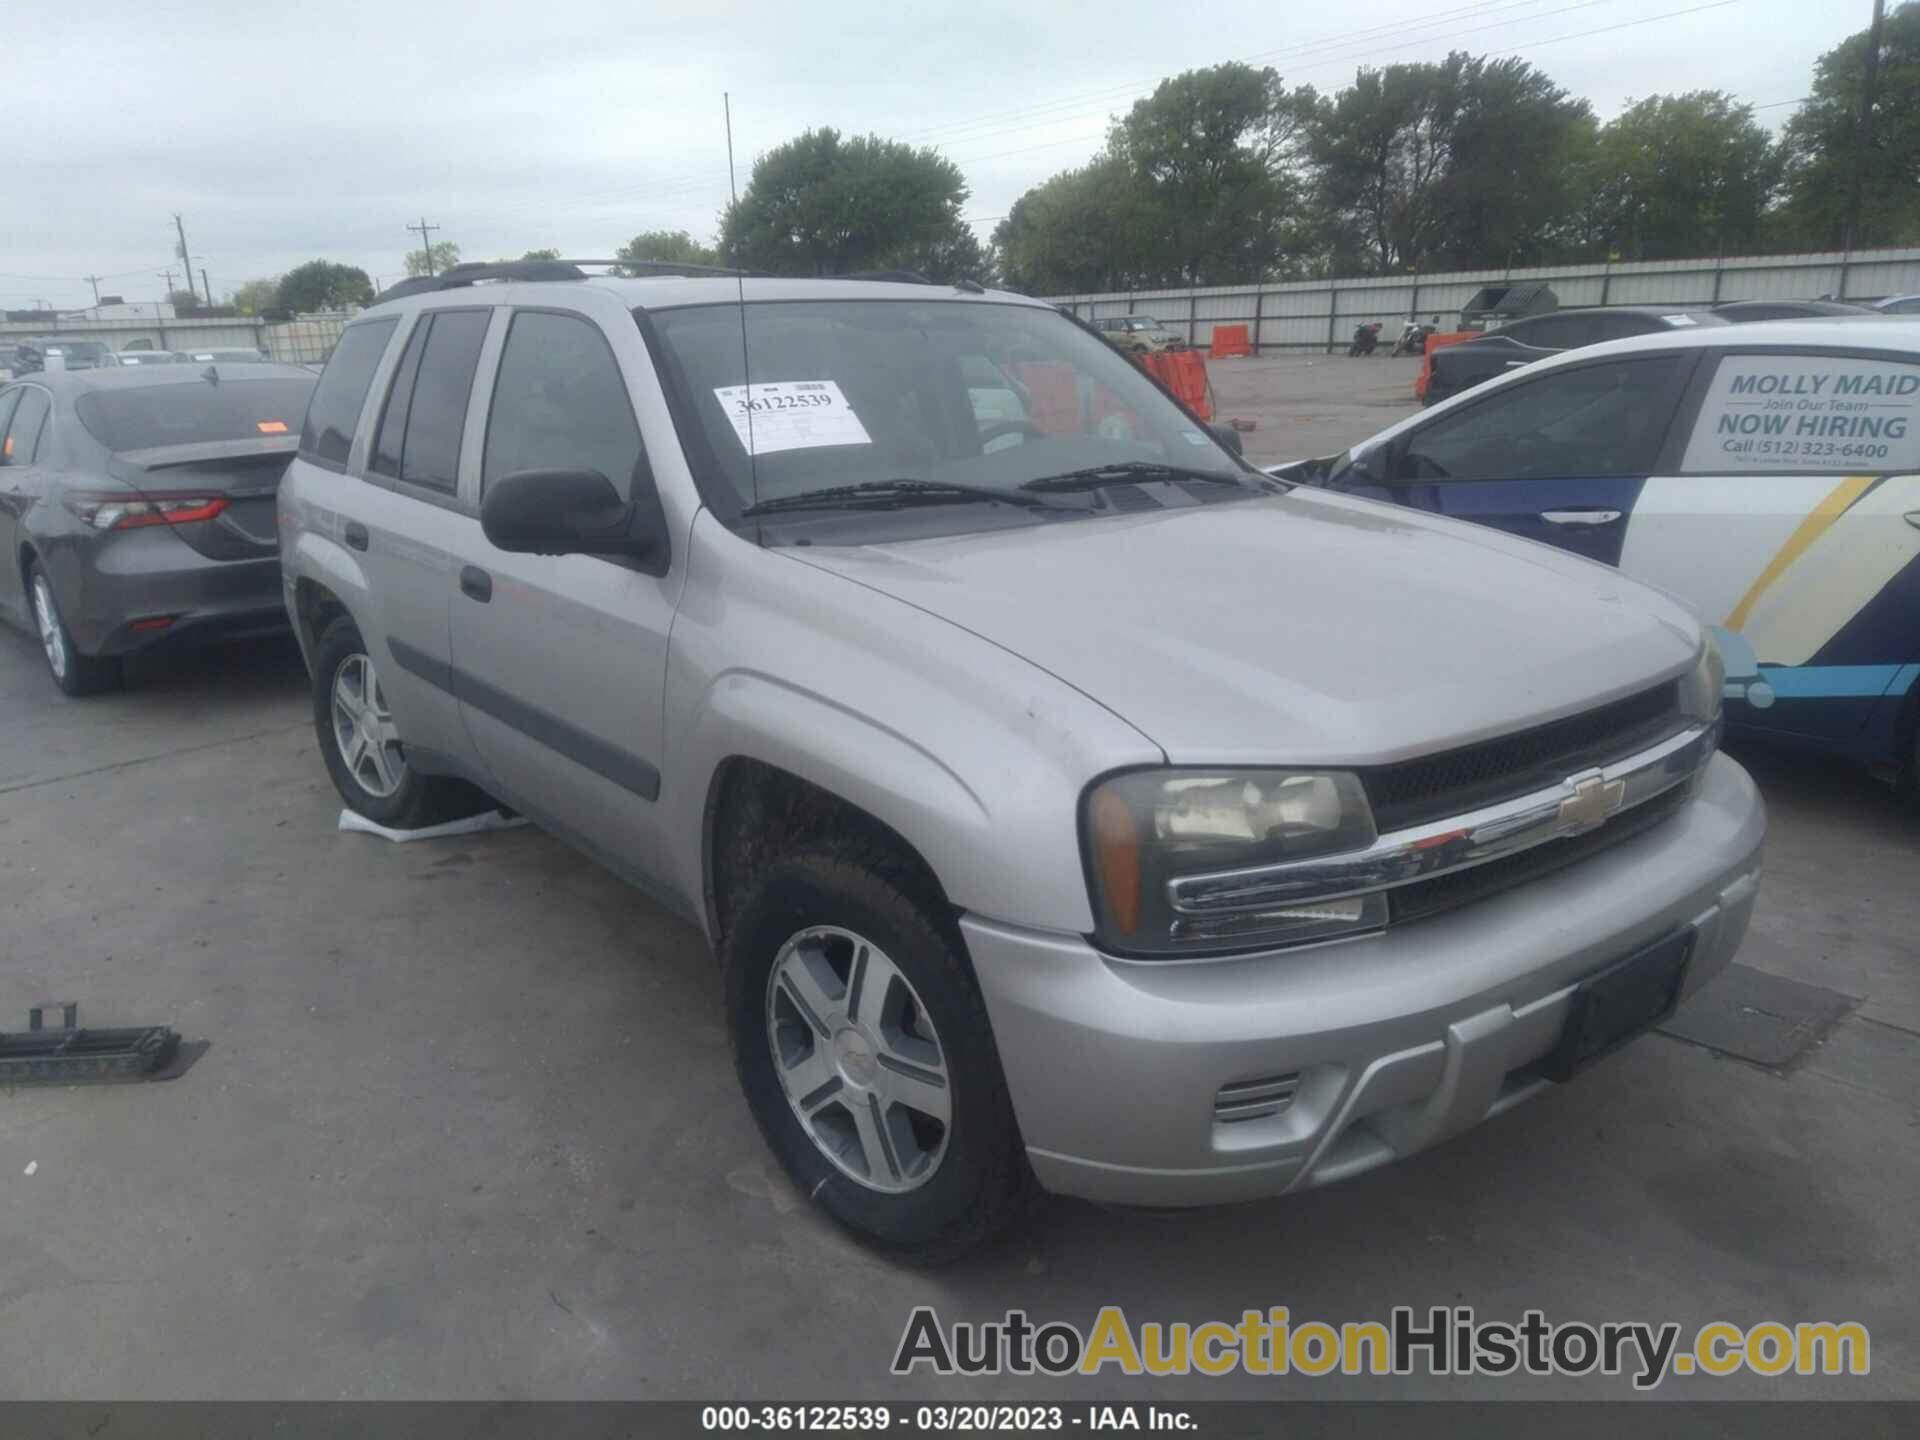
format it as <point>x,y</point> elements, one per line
<point>1229,437</point>
<point>574,512</point>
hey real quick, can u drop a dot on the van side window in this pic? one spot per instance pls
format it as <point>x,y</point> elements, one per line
<point>560,403</point>
<point>418,440</point>
<point>334,410</point>
<point>1802,414</point>
<point>1588,421</point>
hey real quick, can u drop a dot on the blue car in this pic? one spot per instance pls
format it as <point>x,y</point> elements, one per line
<point>1768,475</point>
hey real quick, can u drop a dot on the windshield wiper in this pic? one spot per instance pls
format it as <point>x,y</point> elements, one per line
<point>894,492</point>
<point>1127,472</point>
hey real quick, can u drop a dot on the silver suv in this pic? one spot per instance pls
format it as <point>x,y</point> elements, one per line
<point>1065,800</point>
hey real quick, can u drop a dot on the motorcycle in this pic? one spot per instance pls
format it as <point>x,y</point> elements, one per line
<point>1413,339</point>
<point>1365,339</point>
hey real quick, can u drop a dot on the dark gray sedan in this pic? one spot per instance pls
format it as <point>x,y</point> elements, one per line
<point>137,508</point>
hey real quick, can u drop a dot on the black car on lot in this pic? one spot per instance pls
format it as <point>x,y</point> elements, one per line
<point>137,507</point>
<point>1463,366</point>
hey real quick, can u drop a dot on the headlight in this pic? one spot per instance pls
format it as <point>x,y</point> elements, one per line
<point>1701,696</point>
<point>1148,827</point>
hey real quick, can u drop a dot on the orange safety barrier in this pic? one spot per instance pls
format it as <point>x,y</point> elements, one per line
<point>1230,340</point>
<point>1436,342</point>
<point>1184,372</point>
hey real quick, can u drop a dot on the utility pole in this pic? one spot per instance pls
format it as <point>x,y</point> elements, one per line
<point>186,260</point>
<point>426,245</point>
<point>167,275</point>
<point>94,281</point>
<point>1863,128</point>
<point>204,285</point>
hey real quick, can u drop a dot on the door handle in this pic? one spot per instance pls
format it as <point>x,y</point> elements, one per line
<point>476,584</point>
<point>356,535</point>
<point>1580,517</point>
<point>1913,518</point>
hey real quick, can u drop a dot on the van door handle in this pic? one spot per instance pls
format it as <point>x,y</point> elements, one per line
<point>356,534</point>
<point>1580,517</point>
<point>1913,518</point>
<point>476,584</point>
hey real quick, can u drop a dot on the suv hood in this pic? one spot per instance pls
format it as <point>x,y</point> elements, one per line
<point>1303,628</point>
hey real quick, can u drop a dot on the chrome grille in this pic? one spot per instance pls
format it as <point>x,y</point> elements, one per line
<point>1255,1099</point>
<point>1457,781</point>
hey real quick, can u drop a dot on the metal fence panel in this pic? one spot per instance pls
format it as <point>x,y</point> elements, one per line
<point>1321,314</point>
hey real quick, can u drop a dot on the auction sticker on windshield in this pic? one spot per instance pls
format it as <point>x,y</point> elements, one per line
<point>1788,413</point>
<point>790,415</point>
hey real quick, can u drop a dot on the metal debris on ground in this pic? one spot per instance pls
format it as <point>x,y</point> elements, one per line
<point>70,1054</point>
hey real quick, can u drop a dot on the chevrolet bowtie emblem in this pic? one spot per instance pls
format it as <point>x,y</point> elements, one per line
<point>1594,799</point>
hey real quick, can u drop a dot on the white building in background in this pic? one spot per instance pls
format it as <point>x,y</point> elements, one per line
<point>114,308</point>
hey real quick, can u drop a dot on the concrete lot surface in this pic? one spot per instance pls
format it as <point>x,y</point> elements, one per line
<point>467,1126</point>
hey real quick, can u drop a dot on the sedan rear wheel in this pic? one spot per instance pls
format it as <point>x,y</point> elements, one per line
<point>74,673</point>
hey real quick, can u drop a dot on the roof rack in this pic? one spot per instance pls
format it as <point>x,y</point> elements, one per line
<point>455,276</point>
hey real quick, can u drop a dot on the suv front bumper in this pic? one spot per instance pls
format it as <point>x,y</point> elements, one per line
<point>1385,1044</point>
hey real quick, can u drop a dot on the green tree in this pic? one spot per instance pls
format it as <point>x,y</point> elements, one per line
<point>1216,156</point>
<point>548,254</point>
<point>825,205</point>
<point>184,302</point>
<point>1458,163</point>
<point>254,296</point>
<point>673,247</point>
<point>1820,143</point>
<point>324,285</point>
<point>445,255</point>
<point>1678,175</point>
<point>1083,231</point>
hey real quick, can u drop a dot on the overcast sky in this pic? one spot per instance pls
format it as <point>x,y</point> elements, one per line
<point>284,131</point>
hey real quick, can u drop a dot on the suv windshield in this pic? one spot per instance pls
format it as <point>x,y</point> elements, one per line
<point>980,395</point>
<point>157,415</point>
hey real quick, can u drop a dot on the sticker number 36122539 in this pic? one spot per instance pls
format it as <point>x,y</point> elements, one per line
<point>769,416</point>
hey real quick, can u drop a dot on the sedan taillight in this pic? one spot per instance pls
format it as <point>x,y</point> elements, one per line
<point>115,511</point>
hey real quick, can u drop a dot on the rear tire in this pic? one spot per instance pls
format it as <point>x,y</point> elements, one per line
<point>935,1189</point>
<point>361,743</point>
<point>75,673</point>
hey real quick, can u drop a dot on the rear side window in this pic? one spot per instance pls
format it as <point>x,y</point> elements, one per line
<point>438,413</point>
<point>335,409</point>
<point>152,416</point>
<point>1799,414</point>
<point>560,403</point>
<point>21,444</point>
<point>1589,421</point>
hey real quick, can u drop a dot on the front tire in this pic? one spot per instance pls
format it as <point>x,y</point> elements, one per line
<point>361,742</point>
<point>74,673</point>
<point>863,1046</point>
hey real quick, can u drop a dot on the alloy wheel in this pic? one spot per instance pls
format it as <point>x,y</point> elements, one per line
<point>47,619</point>
<point>363,728</point>
<point>858,1059</point>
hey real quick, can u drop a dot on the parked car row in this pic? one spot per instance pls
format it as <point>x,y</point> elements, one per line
<point>1026,758</point>
<point>56,352</point>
